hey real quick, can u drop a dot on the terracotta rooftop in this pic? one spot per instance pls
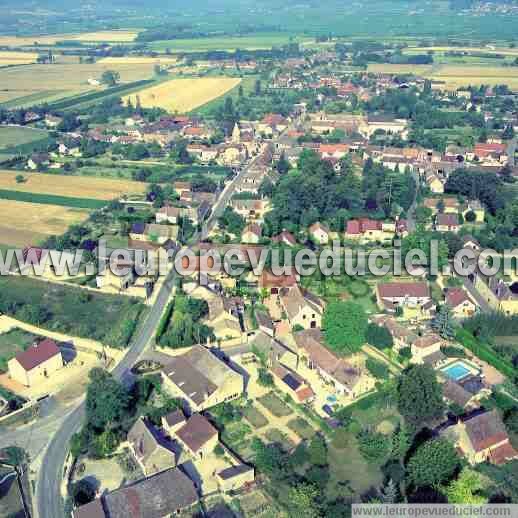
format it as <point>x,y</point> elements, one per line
<point>426,341</point>
<point>37,354</point>
<point>447,220</point>
<point>485,430</point>
<point>503,454</point>
<point>456,296</point>
<point>92,510</point>
<point>403,289</point>
<point>196,432</point>
<point>154,497</point>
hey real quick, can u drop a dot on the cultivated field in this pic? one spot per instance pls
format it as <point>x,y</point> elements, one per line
<point>17,58</point>
<point>423,50</point>
<point>184,95</point>
<point>23,224</point>
<point>456,75</point>
<point>11,136</point>
<point>382,68</point>
<point>122,36</point>
<point>247,42</point>
<point>62,80</point>
<point>71,186</point>
<point>138,60</point>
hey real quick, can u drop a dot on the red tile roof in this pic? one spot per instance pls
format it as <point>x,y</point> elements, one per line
<point>456,296</point>
<point>196,432</point>
<point>285,237</point>
<point>362,225</point>
<point>427,341</point>
<point>447,220</point>
<point>486,149</point>
<point>485,430</point>
<point>333,148</point>
<point>38,354</point>
<point>269,280</point>
<point>304,394</point>
<point>503,453</point>
<point>403,289</point>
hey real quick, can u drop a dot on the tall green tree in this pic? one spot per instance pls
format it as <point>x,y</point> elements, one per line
<point>379,336</point>
<point>466,489</point>
<point>106,401</point>
<point>434,463</point>
<point>345,325</point>
<point>419,395</point>
<point>442,323</point>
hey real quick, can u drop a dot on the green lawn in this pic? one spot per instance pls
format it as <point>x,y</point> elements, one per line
<point>107,318</point>
<point>254,417</point>
<point>13,342</point>
<point>350,474</point>
<point>302,428</point>
<point>275,405</point>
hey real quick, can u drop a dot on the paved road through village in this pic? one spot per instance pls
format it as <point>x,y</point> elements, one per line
<point>49,502</point>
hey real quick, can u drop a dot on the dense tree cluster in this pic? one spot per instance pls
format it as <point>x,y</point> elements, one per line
<point>315,192</point>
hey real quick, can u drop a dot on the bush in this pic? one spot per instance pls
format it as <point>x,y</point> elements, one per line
<point>219,451</point>
<point>83,492</point>
<point>405,353</point>
<point>374,446</point>
<point>379,336</point>
<point>485,353</point>
<point>453,352</point>
<point>265,379</point>
<point>378,369</point>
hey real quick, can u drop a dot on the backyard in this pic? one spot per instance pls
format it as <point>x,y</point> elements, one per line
<point>13,342</point>
<point>74,311</point>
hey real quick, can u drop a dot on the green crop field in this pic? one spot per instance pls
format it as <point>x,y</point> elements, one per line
<point>228,43</point>
<point>15,140</point>
<point>12,136</point>
<point>50,199</point>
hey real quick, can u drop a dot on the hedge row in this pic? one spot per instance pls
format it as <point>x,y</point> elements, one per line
<point>485,353</point>
<point>51,199</point>
<point>94,96</point>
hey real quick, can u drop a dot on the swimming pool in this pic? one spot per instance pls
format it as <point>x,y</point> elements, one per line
<point>457,371</point>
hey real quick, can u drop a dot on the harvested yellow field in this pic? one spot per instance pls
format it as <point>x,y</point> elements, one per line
<point>423,50</point>
<point>456,75</point>
<point>399,69</point>
<point>72,186</point>
<point>138,60</point>
<point>25,224</point>
<point>66,77</point>
<point>115,36</point>
<point>17,58</point>
<point>122,36</point>
<point>51,82</point>
<point>184,95</point>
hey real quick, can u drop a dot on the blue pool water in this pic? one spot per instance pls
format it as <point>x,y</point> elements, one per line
<point>456,371</point>
<point>331,399</point>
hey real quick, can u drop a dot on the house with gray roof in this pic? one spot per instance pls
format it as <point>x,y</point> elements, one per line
<point>152,450</point>
<point>165,494</point>
<point>201,380</point>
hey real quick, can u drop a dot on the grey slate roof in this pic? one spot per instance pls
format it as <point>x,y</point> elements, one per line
<point>154,497</point>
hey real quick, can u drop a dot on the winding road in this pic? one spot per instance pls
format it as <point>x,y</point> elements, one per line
<point>48,487</point>
<point>49,502</point>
